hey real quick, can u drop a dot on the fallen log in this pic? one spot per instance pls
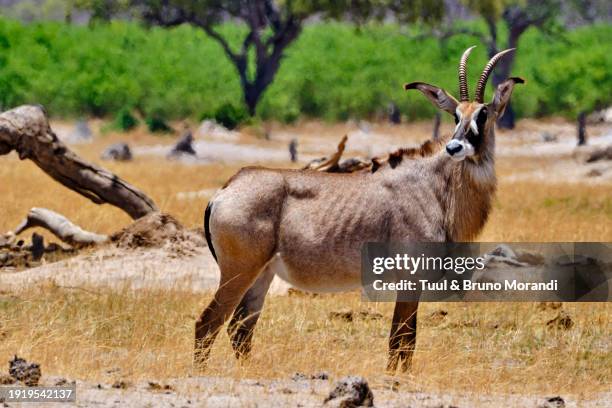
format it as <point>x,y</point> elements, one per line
<point>26,130</point>
<point>59,226</point>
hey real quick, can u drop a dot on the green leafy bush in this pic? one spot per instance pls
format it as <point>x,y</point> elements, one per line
<point>230,116</point>
<point>156,124</point>
<point>333,71</point>
<point>124,120</point>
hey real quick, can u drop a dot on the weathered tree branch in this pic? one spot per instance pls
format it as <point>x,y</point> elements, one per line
<point>60,226</point>
<point>224,44</point>
<point>333,164</point>
<point>332,161</point>
<point>26,130</point>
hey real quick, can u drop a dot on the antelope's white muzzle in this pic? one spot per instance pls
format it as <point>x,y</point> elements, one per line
<point>459,149</point>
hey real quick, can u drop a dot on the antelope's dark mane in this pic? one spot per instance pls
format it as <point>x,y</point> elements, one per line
<point>393,159</point>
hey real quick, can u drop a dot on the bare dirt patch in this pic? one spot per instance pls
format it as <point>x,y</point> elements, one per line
<point>222,392</point>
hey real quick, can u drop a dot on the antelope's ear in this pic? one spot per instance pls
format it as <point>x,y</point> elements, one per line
<point>437,96</point>
<point>503,94</point>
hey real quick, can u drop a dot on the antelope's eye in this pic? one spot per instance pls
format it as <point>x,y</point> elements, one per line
<point>456,118</point>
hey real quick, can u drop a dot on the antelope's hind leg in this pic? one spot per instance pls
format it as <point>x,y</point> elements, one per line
<point>247,313</point>
<point>236,279</point>
<point>402,338</point>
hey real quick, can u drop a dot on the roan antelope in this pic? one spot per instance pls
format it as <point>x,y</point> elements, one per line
<point>313,224</point>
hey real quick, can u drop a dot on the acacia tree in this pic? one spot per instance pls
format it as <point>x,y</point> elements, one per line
<point>518,16</point>
<point>271,26</point>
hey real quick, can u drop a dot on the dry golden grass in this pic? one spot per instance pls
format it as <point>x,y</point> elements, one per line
<point>485,348</point>
<point>504,347</point>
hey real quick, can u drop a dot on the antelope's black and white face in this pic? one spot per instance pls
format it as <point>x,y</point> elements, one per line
<point>470,130</point>
<point>474,120</point>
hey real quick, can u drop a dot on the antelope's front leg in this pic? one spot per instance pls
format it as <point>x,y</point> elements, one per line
<point>402,338</point>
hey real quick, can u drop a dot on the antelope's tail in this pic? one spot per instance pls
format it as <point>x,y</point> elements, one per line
<point>207,229</point>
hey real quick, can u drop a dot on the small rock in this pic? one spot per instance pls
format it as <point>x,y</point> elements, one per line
<point>121,385</point>
<point>600,116</point>
<point>81,134</point>
<point>351,392</point>
<point>553,402</point>
<point>603,153</point>
<point>184,146</point>
<point>548,137</point>
<point>27,373</point>
<point>562,321</point>
<point>118,151</point>
<point>318,376</point>
<point>212,128</point>
<point>594,173</point>
<point>556,401</point>
<point>153,386</point>
<point>299,377</point>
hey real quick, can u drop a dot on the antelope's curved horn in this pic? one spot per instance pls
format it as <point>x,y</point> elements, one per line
<point>484,77</point>
<point>463,87</point>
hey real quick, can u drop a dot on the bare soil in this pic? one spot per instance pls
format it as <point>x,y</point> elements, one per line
<point>215,392</point>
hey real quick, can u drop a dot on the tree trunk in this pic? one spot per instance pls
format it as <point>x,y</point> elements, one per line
<point>26,130</point>
<point>268,56</point>
<point>252,94</point>
<point>266,71</point>
<point>507,120</point>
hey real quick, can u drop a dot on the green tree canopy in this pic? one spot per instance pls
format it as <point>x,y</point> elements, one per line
<point>271,26</point>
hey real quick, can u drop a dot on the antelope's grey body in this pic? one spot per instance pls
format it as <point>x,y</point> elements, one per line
<point>314,224</point>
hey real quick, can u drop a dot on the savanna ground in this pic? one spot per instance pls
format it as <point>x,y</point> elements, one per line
<point>103,335</point>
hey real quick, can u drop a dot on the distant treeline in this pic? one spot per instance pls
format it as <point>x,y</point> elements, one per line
<point>334,71</point>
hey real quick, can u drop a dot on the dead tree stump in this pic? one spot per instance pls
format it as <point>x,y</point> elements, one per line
<point>395,116</point>
<point>582,136</point>
<point>293,150</point>
<point>184,146</point>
